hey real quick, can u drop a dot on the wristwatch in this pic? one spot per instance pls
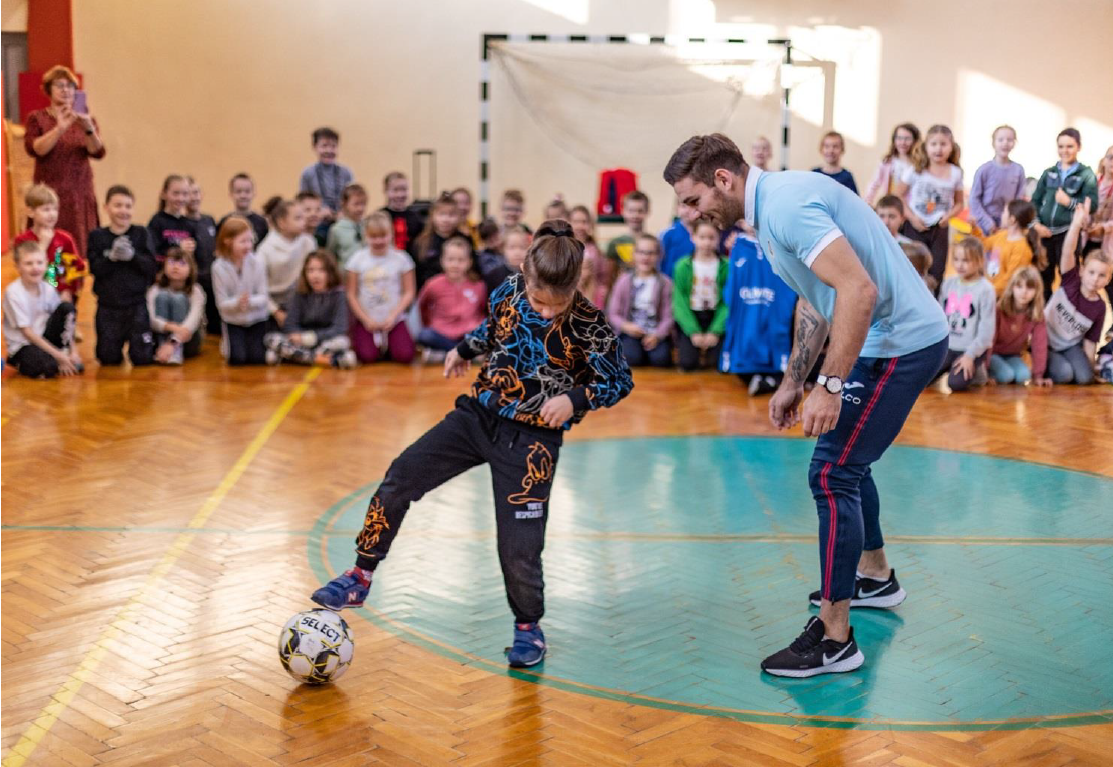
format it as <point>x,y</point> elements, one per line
<point>832,384</point>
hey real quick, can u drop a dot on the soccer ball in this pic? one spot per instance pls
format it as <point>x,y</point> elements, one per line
<point>315,647</point>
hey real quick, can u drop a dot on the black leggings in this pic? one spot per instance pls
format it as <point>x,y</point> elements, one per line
<point>32,361</point>
<point>523,461</point>
<point>937,239</point>
<point>245,343</point>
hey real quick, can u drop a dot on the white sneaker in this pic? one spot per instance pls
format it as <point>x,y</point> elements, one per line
<point>271,357</point>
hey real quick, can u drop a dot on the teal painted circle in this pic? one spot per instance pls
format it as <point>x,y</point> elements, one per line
<point>674,565</point>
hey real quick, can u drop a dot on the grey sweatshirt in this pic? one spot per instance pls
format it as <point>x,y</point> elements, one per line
<point>971,309</point>
<point>229,284</point>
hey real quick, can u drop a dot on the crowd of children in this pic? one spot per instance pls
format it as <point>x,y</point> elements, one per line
<point>317,279</point>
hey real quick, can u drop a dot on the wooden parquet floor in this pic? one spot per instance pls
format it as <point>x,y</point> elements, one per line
<point>159,542</point>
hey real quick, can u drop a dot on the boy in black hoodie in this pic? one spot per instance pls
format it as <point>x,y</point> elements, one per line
<point>123,265</point>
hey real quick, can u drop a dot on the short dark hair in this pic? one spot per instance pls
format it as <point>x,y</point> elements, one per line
<point>350,191</point>
<point>307,194</point>
<point>700,156</point>
<point>636,196</point>
<point>239,177</point>
<point>891,201</point>
<point>391,176</point>
<point>325,133</point>
<point>487,228</point>
<point>1073,133</point>
<point>555,258</point>
<point>116,189</point>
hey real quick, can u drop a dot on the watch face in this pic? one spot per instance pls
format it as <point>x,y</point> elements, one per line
<point>833,384</point>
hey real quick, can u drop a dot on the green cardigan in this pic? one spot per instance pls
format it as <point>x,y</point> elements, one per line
<point>682,299</point>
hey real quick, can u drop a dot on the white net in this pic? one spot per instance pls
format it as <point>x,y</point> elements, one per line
<point>562,112</point>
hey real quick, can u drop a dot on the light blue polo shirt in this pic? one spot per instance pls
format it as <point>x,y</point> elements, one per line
<point>798,213</point>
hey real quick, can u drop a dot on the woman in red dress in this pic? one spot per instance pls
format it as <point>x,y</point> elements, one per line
<point>62,141</point>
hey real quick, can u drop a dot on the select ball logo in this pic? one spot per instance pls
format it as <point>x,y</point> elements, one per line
<point>315,647</point>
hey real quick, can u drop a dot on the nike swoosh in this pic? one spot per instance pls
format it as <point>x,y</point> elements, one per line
<point>868,594</point>
<point>828,661</point>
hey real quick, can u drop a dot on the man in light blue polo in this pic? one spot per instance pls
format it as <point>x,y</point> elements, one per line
<point>888,340</point>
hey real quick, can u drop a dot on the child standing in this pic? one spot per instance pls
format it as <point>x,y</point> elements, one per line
<point>640,308</point>
<point>122,261</point>
<point>895,162</point>
<point>345,236</point>
<point>932,188</point>
<point>462,196</point>
<point>452,303</point>
<point>513,210</point>
<point>406,222</point>
<point>242,191</point>
<point>1059,192</point>
<point>489,260</point>
<point>1013,245</point>
<point>38,325</point>
<point>1020,328</point>
<point>170,227</point>
<point>514,420</point>
<point>970,304</point>
<point>761,153</point>
<point>997,182</point>
<point>444,222</point>
<point>204,228</point>
<point>697,303</point>
<point>176,306</point>
<point>380,286</point>
<point>833,147</point>
<point>676,241</point>
<point>326,177</point>
<point>315,222</point>
<point>240,284</point>
<point>620,250</point>
<point>65,267</point>
<point>1075,314</point>
<point>597,277</point>
<point>283,253</point>
<point>316,327</point>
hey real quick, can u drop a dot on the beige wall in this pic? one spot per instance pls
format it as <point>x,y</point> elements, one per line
<point>212,87</point>
<point>14,16</point>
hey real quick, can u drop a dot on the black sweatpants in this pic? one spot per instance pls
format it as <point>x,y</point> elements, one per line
<point>1053,247</point>
<point>32,361</point>
<point>523,462</point>
<point>129,325</point>
<point>691,358</point>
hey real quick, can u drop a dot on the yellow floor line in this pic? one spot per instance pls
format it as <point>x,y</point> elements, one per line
<point>61,699</point>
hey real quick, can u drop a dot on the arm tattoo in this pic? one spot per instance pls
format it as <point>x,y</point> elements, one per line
<point>808,325</point>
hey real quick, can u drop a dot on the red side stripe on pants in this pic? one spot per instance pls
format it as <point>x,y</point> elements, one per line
<point>869,409</point>
<point>832,523</point>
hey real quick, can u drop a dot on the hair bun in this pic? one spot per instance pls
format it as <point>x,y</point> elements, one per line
<point>555,227</point>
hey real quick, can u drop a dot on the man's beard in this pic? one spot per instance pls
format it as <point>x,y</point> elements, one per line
<point>729,210</point>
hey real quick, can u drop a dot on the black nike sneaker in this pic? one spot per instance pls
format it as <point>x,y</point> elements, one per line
<point>871,593</point>
<point>810,654</point>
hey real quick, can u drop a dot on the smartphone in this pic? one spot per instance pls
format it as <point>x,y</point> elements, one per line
<point>80,105</point>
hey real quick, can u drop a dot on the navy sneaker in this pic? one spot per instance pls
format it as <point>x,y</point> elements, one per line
<point>811,654</point>
<point>529,646</point>
<point>347,590</point>
<point>872,593</point>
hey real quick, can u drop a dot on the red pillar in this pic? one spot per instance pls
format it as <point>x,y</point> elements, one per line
<point>49,34</point>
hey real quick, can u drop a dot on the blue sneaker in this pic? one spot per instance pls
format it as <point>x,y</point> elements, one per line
<point>529,646</point>
<point>347,590</point>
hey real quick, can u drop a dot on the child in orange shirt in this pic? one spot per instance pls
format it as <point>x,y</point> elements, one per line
<point>1013,246</point>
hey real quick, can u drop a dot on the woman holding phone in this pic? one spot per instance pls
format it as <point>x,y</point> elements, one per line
<point>62,138</point>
